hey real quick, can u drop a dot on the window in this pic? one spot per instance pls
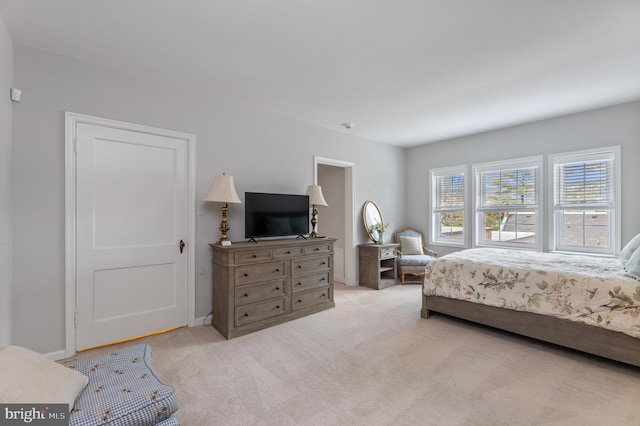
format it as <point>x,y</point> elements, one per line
<point>447,201</point>
<point>508,203</point>
<point>585,201</point>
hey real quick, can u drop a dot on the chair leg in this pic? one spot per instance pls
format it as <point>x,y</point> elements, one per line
<point>402,277</point>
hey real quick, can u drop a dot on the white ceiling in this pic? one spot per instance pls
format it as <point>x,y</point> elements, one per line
<point>405,72</point>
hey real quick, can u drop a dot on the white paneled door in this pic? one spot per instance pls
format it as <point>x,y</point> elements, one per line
<point>131,216</point>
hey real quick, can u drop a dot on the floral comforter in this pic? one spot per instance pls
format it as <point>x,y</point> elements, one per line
<point>587,289</point>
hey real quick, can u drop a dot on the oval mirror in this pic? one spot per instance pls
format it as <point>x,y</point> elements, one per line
<point>371,215</point>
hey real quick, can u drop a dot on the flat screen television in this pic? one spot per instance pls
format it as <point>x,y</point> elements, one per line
<point>275,215</point>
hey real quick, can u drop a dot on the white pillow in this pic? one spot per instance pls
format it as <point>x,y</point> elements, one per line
<point>630,248</point>
<point>30,378</point>
<point>411,245</point>
<point>633,265</point>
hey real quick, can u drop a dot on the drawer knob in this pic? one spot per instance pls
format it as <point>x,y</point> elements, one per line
<point>299,266</point>
<point>277,288</point>
<point>323,295</point>
<point>277,269</point>
<point>277,306</point>
<point>254,256</point>
<point>246,295</point>
<point>299,300</point>
<point>299,284</point>
<point>288,251</point>
<point>317,248</point>
<point>322,279</point>
<point>246,315</point>
<point>323,263</point>
<point>246,275</point>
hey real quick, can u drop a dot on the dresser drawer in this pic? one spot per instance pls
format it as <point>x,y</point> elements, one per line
<point>318,248</point>
<point>260,272</point>
<point>387,253</point>
<point>287,252</point>
<point>259,311</point>
<point>310,282</point>
<point>252,256</point>
<point>310,298</point>
<point>306,266</point>
<point>259,292</point>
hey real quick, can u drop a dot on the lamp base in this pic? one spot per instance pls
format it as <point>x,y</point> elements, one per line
<point>224,227</point>
<point>314,222</point>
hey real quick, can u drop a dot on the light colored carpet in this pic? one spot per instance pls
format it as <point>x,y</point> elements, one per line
<point>373,361</point>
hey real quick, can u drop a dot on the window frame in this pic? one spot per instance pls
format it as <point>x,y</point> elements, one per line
<point>614,219</point>
<point>535,162</point>
<point>434,234</point>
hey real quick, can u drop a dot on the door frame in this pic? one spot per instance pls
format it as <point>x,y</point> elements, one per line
<point>71,121</point>
<point>349,213</point>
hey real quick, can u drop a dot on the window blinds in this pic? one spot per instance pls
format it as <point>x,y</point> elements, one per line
<point>587,184</point>
<point>449,190</point>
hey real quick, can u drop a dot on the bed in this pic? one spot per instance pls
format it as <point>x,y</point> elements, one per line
<point>580,302</point>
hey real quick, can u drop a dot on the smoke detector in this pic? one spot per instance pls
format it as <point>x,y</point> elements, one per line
<point>347,125</point>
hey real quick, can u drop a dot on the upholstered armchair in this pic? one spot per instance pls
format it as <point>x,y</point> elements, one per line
<point>413,255</point>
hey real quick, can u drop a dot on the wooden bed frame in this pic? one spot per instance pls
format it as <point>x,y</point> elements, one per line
<point>583,337</point>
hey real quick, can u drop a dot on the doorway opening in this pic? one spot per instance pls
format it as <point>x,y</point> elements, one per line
<point>336,177</point>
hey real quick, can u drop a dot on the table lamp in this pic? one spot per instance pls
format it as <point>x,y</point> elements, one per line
<point>223,190</point>
<point>315,199</point>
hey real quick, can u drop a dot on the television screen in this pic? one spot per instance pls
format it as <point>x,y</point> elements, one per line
<point>275,215</point>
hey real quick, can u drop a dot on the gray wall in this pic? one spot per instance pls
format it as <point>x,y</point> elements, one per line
<point>264,153</point>
<point>6,78</point>
<point>616,125</point>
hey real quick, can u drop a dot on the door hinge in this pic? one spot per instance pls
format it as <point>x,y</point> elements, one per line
<point>75,319</point>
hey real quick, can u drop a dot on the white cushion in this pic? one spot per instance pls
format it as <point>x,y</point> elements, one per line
<point>630,248</point>
<point>411,245</point>
<point>28,377</point>
<point>633,265</point>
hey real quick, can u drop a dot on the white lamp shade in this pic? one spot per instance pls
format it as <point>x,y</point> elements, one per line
<point>223,190</point>
<point>315,196</point>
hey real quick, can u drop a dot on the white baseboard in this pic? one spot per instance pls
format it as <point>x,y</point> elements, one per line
<point>201,321</point>
<point>55,356</point>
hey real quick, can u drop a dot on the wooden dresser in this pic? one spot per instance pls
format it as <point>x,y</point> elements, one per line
<point>258,285</point>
